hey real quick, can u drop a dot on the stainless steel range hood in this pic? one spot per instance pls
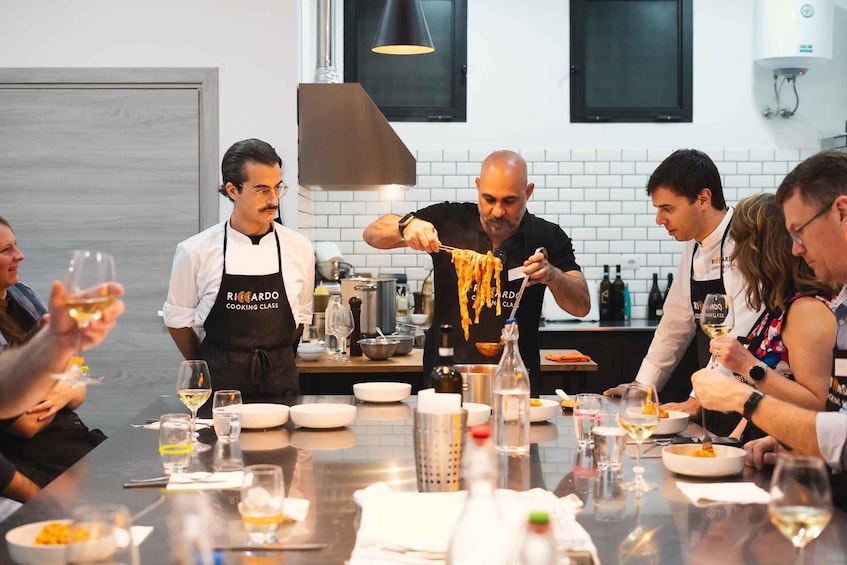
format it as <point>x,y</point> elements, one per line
<point>345,142</point>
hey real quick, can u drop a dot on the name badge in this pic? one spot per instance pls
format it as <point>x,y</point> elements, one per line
<point>840,367</point>
<point>516,273</point>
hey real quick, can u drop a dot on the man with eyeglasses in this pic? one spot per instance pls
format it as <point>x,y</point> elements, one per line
<point>248,282</point>
<point>814,199</point>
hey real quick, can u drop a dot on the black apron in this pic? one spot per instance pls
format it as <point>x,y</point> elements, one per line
<point>716,422</point>
<point>250,333</point>
<point>834,402</point>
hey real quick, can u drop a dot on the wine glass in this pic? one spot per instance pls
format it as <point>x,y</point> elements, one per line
<point>194,387</point>
<point>339,322</point>
<point>640,420</point>
<point>716,318</point>
<point>801,501</point>
<point>87,285</point>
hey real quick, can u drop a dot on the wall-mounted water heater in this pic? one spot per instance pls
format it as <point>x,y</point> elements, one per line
<point>792,35</point>
<point>789,37</point>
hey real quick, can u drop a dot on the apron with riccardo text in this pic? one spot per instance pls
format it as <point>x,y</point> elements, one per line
<point>249,335</point>
<point>718,423</point>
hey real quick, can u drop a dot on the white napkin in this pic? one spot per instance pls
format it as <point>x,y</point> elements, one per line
<point>707,494</point>
<point>390,522</point>
<point>140,533</point>
<point>442,403</point>
<point>201,424</point>
<point>202,480</point>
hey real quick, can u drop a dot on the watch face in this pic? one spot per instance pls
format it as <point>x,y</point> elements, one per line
<point>757,373</point>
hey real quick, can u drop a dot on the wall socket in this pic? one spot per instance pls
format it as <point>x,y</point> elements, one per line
<point>629,262</point>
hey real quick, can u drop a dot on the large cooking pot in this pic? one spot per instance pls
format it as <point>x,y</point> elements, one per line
<point>379,302</point>
<point>477,382</point>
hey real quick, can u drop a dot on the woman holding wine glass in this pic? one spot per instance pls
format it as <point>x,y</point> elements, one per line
<point>194,387</point>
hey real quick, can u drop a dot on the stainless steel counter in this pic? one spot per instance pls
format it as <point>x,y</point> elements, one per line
<point>328,466</point>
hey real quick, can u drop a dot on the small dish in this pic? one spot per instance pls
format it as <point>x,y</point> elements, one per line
<point>307,355</point>
<point>729,461</point>
<point>547,410</point>
<point>323,416</point>
<point>263,415</point>
<point>418,319</point>
<point>382,392</point>
<point>673,424</point>
<point>477,413</point>
<point>24,552</point>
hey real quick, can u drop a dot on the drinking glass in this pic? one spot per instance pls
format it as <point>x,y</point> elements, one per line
<point>587,411</point>
<point>87,285</point>
<point>194,387</point>
<point>175,442</point>
<point>639,420</point>
<point>226,414</point>
<point>339,322</point>
<point>100,533</point>
<point>716,318</point>
<point>801,501</point>
<point>262,495</point>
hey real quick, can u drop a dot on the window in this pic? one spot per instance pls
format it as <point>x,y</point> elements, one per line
<point>410,88</point>
<point>631,60</point>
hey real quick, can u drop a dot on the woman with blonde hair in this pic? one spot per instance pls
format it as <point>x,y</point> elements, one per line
<point>797,319</point>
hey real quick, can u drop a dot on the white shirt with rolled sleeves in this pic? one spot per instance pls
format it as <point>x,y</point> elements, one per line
<point>831,427</point>
<point>677,326</point>
<point>198,266</point>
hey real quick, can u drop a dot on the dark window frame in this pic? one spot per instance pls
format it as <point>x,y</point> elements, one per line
<point>582,111</point>
<point>457,112</point>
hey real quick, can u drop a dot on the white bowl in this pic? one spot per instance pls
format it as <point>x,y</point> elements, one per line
<point>309,355</point>
<point>547,410</point>
<point>22,550</point>
<point>477,413</point>
<point>730,460</point>
<point>382,392</point>
<point>323,440</point>
<point>418,319</point>
<point>323,415</point>
<point>673,424</point>
<point>264,441</point>
<point>261,415</point>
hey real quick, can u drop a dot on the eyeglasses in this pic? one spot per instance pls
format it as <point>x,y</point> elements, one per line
<point>263,192</point>
<point>795,234</point>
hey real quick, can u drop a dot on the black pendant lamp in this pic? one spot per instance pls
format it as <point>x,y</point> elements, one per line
<point>403,30</point>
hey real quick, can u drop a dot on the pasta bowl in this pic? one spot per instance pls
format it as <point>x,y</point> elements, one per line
<point>23,550</point>
<point>382,392</point>
<point>678,459</point>
<point>263,415</point>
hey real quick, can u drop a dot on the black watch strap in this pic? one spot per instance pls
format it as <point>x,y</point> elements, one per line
<point>752,402</point>
<point>404,221</point>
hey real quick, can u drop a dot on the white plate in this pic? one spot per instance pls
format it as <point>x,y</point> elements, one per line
<point>323,440</point>
<point>21,549</point>
<point>263,415</point>
<point>730,460</point>
<point>323,415</point>
<point>477,413</point>
<point>264,441</point>
<point>547,410</point>
<point>673,424</point>
<point>382,392</point>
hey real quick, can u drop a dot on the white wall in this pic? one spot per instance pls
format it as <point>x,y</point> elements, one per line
<point>254,43</point>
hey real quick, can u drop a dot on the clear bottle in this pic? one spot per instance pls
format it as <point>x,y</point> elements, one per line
<point>655,300</point>
<point>605,296</point>
<point>539,547</point>
<point>511,397</point>
<point>481,536</point>
<point>444,376</point>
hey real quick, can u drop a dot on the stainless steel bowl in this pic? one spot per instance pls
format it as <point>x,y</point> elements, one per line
<point>405,345</point>
<point>377,348</point>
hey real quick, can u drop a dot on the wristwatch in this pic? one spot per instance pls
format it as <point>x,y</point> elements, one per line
<point>752,401</point>
<point>405,221</point>
<point>757,371</point>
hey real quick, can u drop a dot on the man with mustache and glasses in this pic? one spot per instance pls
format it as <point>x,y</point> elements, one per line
<point>499,223</point>
<point>248,282</point>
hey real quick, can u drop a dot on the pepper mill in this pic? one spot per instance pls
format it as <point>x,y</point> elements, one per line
<point>356,309</point>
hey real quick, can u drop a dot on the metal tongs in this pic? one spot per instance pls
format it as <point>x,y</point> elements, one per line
<point>541,250</point>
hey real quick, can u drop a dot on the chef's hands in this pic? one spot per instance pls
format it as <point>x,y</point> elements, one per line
<point>420,235</point>
<point>538,269</point>
<point>729,352</point>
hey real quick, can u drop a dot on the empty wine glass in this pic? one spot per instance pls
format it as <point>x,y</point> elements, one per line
<point>716,318</point>
<point>194,387</point>
<point>801,500</point>
<point>638,414</point>
<point>87,285</point>
<point>101,533</point>
<point>339,322</point>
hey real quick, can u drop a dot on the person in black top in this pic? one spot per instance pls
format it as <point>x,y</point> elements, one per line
<point>499,223</point>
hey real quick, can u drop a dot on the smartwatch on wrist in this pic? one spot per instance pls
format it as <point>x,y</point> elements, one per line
<point>757,372</point>
<point>404,221</point>
<point>752,401</point>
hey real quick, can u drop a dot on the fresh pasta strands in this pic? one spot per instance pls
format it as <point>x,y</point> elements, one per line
<point>475,267</point>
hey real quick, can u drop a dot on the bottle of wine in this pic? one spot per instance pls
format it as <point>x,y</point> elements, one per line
<point>617,293</point>
<point>444,376</point>
<point>655,300</point>
<point>605,296</point>
<point>668,288</point>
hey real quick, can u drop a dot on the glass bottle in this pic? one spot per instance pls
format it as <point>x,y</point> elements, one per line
<point>538,546</point>
<point>511,396</point>
<point>617,296</point>
<point>605,296</point>
<point>444,376</point>
<point>668,288</point>
<point>481,536</point>
<point>627,303</point>
<point>655,300</point>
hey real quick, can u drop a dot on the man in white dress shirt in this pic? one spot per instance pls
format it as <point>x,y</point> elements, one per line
<point>247,281</point>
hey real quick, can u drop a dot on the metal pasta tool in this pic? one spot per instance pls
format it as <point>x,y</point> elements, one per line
<point>541,250</point>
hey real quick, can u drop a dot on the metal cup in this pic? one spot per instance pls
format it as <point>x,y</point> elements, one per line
<point>439,439</point>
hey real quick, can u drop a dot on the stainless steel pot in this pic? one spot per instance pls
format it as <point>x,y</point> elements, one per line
<point>477,382</point>
<point>379,304</point>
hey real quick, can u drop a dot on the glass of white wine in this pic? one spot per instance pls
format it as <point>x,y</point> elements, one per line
<point>638,415</point>
<point>801,500</point>
<point>87,286</point>
<point>716,317</point>
<point>194,387</point>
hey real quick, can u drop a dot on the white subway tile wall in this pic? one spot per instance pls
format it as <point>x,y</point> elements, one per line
<point>598,197</point>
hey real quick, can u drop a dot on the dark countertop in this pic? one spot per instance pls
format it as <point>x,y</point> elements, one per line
<point>634,325</point>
